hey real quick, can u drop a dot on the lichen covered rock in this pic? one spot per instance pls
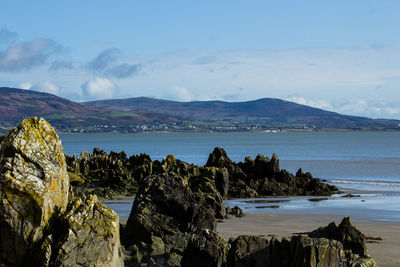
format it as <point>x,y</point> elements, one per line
<point>300,250</point>
<point>89,235</point>
<point>33,185</point>
<point>351,237</point>
<point>39,225</point>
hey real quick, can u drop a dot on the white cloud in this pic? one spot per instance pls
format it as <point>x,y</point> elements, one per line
<point>179,93</point>
<point>25,85</point>
<point>361,107</point>
<point>99,88</point>
<point>354,81</point>
<point>47,87</point>
<point>316,104</point>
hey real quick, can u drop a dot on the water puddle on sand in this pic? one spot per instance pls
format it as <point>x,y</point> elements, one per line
<point>265,201</point>
<point>318,199</point>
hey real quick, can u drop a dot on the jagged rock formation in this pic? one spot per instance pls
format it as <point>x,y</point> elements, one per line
<point>263,177</point>
<point>251,178</point>
<point>351,238</point>
<point>299,250</point>
<point>40,223</point>
<point>165,214</point>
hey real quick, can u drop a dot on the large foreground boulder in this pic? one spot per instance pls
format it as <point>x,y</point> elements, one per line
<point>33,185</point>
<point>40,223</point>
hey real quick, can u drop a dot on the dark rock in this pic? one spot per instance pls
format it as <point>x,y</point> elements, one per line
<point>351,238</point>
<point>206,249</point>
<point>239,189</point>
<point>222,181</point>
<point>235,211</point>
<point>351,195</point>
<point>102,170</point>
<point>300,173</point>
<point>115,174</point>
<point>285,177</point>
<point>218,158</point>
<point>141,166</point>
<point>300,250</point>
<point>165,209</point>
<point>203,182</point>
<point>261,165</point>
<point>306,251</point>
<point>249,251</point>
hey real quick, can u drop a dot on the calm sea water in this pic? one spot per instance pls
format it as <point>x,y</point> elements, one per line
<point>358,160</point>
<point>366,161</point>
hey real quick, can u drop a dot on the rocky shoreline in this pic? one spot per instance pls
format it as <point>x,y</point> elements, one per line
<point>49,217</point>
<point>108,175</point>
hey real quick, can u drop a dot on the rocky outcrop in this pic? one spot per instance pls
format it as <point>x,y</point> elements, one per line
<point>114,173</point>
<point>41,224</point>
<point>300,250</point>
<point>263,177</point>
<point>165,215</point>
<point>105,174</point>
<point>351,238</point>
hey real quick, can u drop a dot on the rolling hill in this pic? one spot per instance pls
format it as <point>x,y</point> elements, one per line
<point>148,114</point>
<point>266,111</point>
<point>66,115</point>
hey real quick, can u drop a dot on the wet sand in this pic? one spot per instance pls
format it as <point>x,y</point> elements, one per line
<point>385,252</point>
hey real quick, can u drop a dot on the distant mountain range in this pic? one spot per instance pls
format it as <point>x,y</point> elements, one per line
<point>148,114</point>
<point>269,112</point>
<point>69,116</point>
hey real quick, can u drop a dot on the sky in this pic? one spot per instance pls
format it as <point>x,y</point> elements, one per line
<point>341,55</point>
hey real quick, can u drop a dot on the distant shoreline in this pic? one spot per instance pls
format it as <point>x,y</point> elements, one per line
<point>227,132</point>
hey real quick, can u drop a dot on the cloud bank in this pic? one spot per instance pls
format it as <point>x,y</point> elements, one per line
<point>104,60</point>
<point>356,81</point>
<point>26,55</point>
<point>107,63</point>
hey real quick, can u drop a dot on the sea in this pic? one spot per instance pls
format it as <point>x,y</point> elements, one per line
<point>368,162</point>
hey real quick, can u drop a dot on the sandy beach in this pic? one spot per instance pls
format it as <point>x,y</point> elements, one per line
<point>385,252</point>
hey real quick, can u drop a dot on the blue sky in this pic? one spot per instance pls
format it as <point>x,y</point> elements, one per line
<point>342,56</point>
